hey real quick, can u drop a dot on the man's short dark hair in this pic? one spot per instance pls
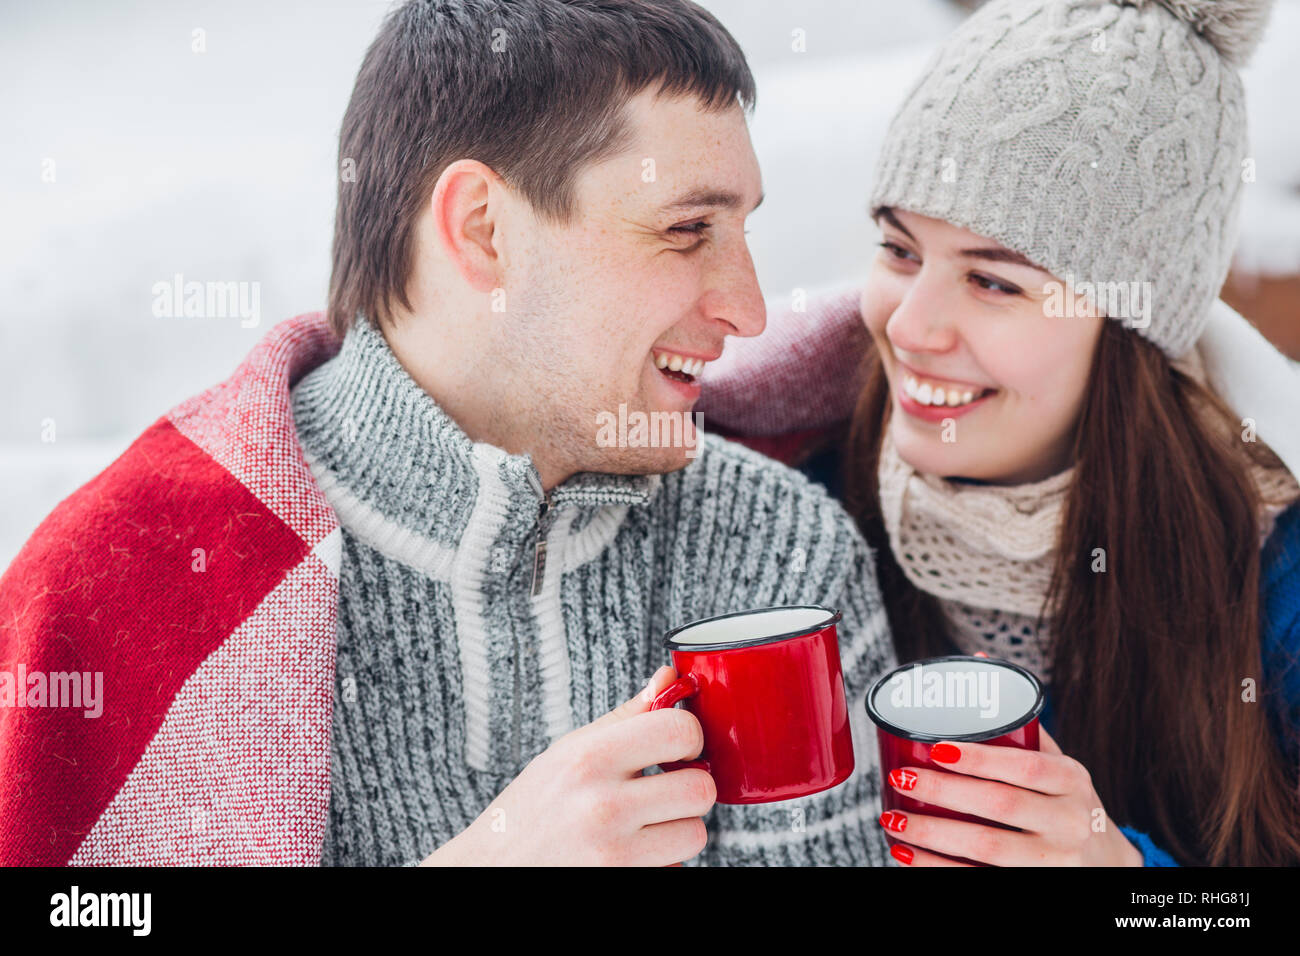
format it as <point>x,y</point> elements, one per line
<point>534,89</point>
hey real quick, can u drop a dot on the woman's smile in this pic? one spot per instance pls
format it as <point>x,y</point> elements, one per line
<point>933,398</point>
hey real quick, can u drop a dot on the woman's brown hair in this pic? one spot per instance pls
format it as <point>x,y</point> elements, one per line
<point>1150,657</point>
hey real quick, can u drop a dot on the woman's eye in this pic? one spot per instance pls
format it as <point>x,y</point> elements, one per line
<point>898,252</point>
<point>994,285</point>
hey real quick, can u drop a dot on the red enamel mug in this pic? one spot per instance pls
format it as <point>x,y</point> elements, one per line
<point>978,699</point>
<point>767,689</point>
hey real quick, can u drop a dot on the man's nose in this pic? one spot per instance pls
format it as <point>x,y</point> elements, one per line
<point>735,298</point>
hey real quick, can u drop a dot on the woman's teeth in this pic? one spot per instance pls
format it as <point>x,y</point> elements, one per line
<point>952,396</point>
<point>672,362</point>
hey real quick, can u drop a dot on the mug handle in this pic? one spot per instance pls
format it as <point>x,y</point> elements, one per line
<point>679,689</point>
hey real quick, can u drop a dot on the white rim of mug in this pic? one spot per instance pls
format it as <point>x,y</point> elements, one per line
<point>975,737</point>
<point>833,617</point>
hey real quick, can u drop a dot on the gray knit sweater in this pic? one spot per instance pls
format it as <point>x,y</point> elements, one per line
<point>465,649</point>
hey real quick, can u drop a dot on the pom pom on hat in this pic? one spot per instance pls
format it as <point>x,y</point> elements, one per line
<point>1232,27</point>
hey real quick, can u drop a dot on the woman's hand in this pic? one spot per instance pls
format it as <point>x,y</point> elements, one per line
<point>1043,792</point>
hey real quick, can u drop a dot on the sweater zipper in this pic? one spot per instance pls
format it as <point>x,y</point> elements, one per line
<point>539,573</point>
<point>539,549</point>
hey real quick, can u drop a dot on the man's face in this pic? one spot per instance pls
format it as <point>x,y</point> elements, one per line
<point>653,268</point>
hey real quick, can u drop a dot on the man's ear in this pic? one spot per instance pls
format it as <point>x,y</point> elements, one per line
<point>465,215</point>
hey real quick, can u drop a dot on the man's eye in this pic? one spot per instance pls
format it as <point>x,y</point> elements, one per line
<point>695,235</point>
<point>994,285</point>
<point>691,228</point>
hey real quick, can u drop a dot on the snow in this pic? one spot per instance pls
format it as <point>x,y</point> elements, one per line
<point>1270,209</point>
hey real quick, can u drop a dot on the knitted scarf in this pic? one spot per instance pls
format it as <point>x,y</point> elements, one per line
<point>987,551</point>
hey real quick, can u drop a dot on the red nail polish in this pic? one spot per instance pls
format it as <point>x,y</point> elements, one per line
<point>901,853</point>
<point>902,779</point>
<point>893,821</point>
<point>945,753</point>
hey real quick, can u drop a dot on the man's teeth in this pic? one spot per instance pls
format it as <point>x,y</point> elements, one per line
<point>927,394</point>
<point>679,363</point>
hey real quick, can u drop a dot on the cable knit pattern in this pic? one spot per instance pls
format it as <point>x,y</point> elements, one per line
<point>456,666</point>
<point>1103,141</point>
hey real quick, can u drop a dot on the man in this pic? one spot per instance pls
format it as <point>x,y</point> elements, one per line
<point>429,647</point>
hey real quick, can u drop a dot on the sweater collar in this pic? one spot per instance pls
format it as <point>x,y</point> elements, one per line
<point>361,416</point>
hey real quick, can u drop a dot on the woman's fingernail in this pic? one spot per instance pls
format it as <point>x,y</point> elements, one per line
<point>893,821</point>
<point>901,853</point>
<point>902,779</point>
<point>945,753</point>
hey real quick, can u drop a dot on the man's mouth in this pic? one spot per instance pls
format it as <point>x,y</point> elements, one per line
<point>940,393</point>
<point>679,368</point>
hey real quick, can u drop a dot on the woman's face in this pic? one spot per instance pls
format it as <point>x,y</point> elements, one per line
<point>986,381</point>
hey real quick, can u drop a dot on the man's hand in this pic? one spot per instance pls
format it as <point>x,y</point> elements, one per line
<point>584,802</point>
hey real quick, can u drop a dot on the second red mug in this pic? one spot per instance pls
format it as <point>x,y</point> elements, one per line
<point>976,699</point>
<point>767,689</point>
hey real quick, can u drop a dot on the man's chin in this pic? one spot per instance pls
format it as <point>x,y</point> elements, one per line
<point>635,442</point>
<point>647,461</point>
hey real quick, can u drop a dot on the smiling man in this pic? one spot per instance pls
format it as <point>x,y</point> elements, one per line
<point>526,326</point>
<point>431,596</point>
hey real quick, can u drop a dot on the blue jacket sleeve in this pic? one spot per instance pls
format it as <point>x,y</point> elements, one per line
<point>1279,607</point>
<point>1152,855</point>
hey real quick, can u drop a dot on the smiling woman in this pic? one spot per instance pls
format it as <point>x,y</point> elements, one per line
<point>1050,473</point>
<point>989,386</point>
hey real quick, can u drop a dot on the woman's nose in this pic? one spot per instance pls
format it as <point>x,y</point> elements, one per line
<point>924,321</point>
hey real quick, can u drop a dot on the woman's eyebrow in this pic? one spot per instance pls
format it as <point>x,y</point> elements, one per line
<point>990,254</point>
<point>998,254</point>
<point>888,215</point>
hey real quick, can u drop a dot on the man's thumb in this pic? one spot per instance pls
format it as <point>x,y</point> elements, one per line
<point>642,701</point>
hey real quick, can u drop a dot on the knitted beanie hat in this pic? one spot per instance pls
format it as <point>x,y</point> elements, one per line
<point>1105,140</point>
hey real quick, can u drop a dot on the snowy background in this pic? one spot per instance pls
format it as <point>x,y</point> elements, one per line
<point>220,166</point>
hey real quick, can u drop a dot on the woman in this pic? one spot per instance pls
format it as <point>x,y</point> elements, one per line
<point>1038,454</point>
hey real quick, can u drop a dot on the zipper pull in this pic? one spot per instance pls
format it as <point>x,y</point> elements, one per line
<point>539,553</point>
<point>539,566</point>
